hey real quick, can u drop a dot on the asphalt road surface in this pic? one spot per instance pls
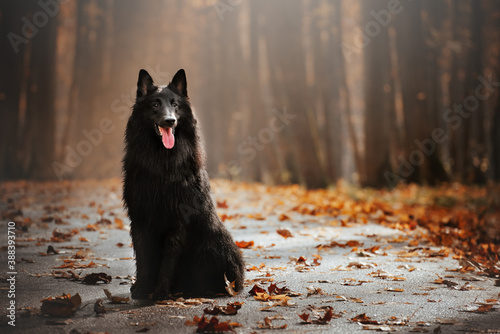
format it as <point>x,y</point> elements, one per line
<point>360,268</point>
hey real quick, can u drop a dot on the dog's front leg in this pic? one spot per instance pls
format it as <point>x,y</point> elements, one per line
<point>147,254</point>
<point>172,248</point>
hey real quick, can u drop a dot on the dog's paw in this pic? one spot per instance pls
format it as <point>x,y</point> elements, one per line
<point>161,293</point>
<point>140,291</point>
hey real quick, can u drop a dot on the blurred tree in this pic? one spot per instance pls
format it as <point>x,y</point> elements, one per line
<point>379,98</point>
<point>362,111</point>
<point>28,95</point>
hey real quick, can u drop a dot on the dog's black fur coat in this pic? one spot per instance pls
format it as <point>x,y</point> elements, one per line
<point>180,244</point>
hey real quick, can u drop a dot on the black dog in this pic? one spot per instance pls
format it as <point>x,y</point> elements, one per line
<point>179,241</point>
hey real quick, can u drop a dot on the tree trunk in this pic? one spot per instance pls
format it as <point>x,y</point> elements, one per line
<point>287,64</point>
<point>379,103</point>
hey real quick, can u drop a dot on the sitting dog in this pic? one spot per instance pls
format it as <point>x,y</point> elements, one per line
<point>180,244</point>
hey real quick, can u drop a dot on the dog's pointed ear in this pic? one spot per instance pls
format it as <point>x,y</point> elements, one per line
<point>145,84</point>
<point>179,82</point>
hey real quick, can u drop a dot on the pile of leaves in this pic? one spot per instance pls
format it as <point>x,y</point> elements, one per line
<point>466,219</point>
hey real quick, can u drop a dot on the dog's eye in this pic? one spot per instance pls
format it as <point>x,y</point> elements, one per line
<point>173,103</point>
<point>155,105</point>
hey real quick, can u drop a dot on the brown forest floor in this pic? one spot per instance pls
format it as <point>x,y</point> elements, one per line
<point>342,260</point>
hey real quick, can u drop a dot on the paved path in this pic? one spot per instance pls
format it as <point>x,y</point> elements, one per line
<point>401,285</point>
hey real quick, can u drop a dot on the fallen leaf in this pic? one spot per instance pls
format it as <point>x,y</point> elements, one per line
<point>273,289</point>
<point>482,308</point>
<point>103,221</point>
<point>225,217</point>
<point>491,301</point>
<point>364,319</point>
<point>94,278</point>
<point>379,328</point>
<point>448,283</point>
<point>320,320</point>
<point>398,278</point>
<point>116,300</point>
<point>69,264</point>
<point>244,244</point>
<point>99,309</point>
<point>361,265</point>
<point>229,309</point>
<point>284,233</point>
<point>80,254</point>
<point>222,204</point>
<point>350,243</point>
<point>119,223</point>
<point>61,236</point>
<point>356,300</point>
<point>283,217</point>
<point>267,323</point>
<point>61,306</point>
<point>256,216</point>
<point>305,318</point>
<point>211,326</point>
<point>230,286</point>
<point>353,282</point>
<point>256,289</point>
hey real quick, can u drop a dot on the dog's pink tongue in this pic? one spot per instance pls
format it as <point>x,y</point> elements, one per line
<point>167,137</point>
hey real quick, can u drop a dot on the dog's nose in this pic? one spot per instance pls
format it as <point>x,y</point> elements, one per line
<point>169,122</point>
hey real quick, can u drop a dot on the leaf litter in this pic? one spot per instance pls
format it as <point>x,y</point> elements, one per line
<point>211,326</point>
<point>462,231</point>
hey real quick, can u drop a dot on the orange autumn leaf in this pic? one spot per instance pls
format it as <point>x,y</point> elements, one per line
<point>91,227</point>
<point>119,223</point>
<point>364,319</point>
<point>353,243</point>
<point>211,326</point>
<point>256,289</point>
<point>283,217</point>
<point>285,233</point>
<point>244,244</point>
<point>222,204</point>
<point>256,216</point>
